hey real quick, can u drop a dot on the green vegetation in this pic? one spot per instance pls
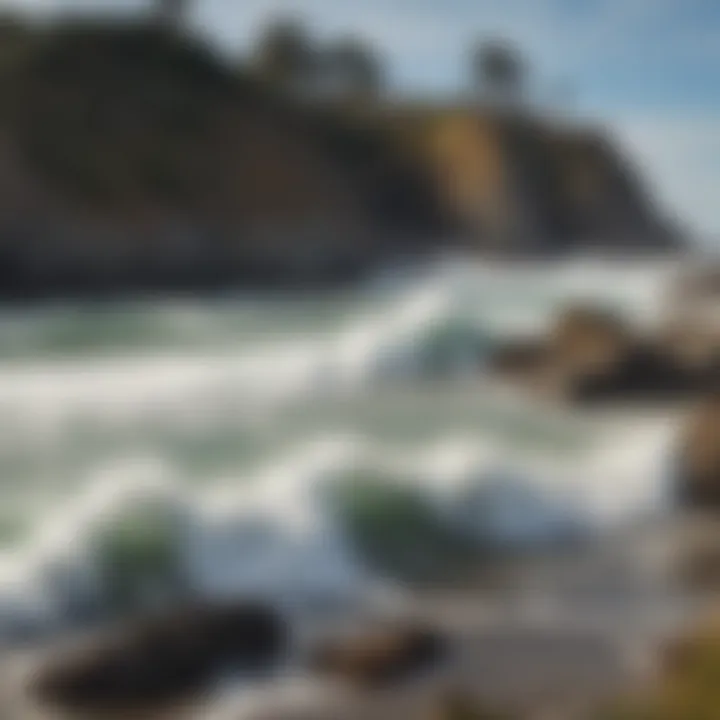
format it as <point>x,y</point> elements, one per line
<point>397,531</point>
<point>687,689</point>
<point>140,558</point>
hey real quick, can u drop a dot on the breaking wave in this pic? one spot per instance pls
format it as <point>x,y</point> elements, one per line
<point>335,500</point>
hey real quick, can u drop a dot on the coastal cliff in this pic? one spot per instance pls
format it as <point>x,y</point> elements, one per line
<point>516,184</point>
<point>133,158</point>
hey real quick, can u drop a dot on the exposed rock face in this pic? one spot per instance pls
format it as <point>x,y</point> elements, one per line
<point>130,157</point>
<point>644,373</point>
<point>699,461</point>
<point>519,186</point>
<point>519,358</point>
<point>585,344</point>
<point>133,158</point>
<point>381,656</point>
<point>699,283</point>
<point>590,355</point>
<point>588,341</point>
<point>160,659</point>
<point>694,346</point>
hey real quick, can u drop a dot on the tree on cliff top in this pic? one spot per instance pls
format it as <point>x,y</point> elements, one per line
<point>172,13</point>
<point>352,71</point>
<point>284,57</point>
<point>499,73</point>
<point>287,57</point>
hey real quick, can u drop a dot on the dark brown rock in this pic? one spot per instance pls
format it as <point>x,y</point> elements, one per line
<point>591,355</point>
<point>699,283</point>
<point>588,340</point>
<point>583,341</point>
<point>381,656</point>
<point>693,344</point>
<point>699,463</point>
<point>161,659</point>
<point>518,358</point>
<point>584,344</point>
<point>643,373</point>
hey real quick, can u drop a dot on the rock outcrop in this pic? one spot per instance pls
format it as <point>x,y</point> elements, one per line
<point>381,656</point>
<point>699,457</point>
<point>590,355</point>
<point>160,659</point>
<point>516,185</point>
<point>131,158</point>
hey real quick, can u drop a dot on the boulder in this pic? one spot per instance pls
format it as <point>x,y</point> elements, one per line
<point>699,283</point>
<point>518,358</point>
<point>594,356</point>
<point>699,461</point>
<point>160,659</point>
<point>381,656</point>
<point>587,340</point>
<point>643,373</point>
<point>585,343</point>
<point>695,344</point>
<point>591,355</point>
<point>583,340</point>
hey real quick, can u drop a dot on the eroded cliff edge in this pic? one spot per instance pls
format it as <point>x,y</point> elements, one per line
<point>131,158</point>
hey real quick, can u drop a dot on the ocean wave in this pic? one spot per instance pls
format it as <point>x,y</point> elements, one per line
<point>338,520</point>
<point>335,519</point>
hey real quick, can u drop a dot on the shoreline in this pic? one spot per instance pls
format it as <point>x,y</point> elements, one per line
<point>542,641</point>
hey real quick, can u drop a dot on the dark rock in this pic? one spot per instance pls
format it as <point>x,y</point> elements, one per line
<point>699,284</point>
<point>583,341</point>
<point>642,373</point>
<point>382,656</point>
<point>590,355</point>
<point>694,345</point>
<point>518,358</point>
<point>700,570</point>
<point>161,659</point>
<point>699,462</point>
<point>588,340</point>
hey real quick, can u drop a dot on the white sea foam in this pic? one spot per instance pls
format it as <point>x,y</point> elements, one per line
<point>281,535</point>
<point>278,530</point>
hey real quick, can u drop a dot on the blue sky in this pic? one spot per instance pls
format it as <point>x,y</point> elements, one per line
<point>650,69</point>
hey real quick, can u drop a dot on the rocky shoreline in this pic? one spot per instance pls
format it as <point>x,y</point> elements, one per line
<point>561,634</point>
<point>556,650</point>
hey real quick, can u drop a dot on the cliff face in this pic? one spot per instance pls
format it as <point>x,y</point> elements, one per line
<point>603,198</point>
<point>518,185</point>
<point>131,158</point>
